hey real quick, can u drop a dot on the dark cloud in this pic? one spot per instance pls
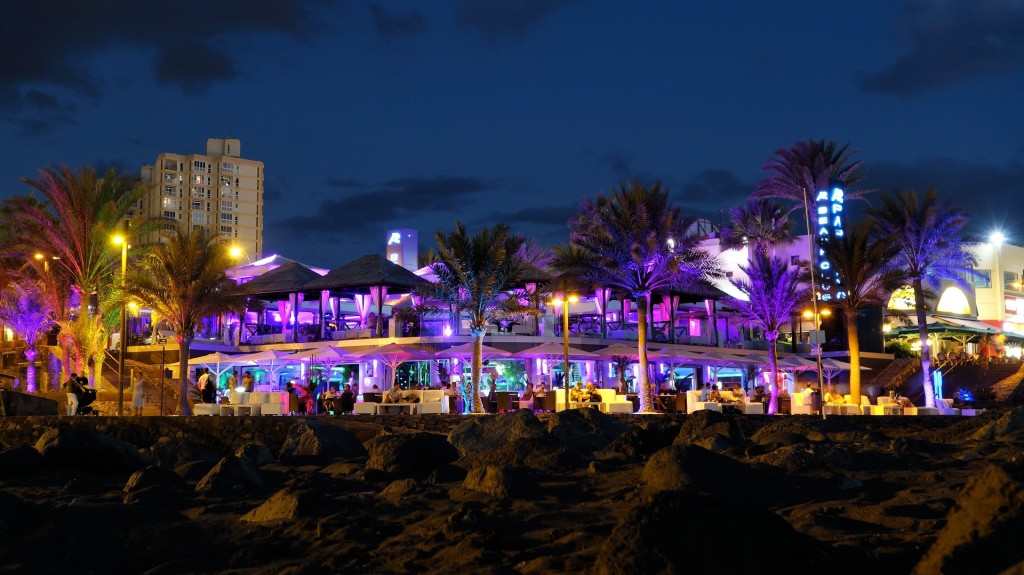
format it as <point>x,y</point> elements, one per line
<point>545,215</point>
<point>714,188</point>
<point>507,17</point>
<point>386,204</point>
<point>951,42</point>
<point>621,165</point>
<point>344,183</point>
<point>389,26</point>
<point>193,67</point>
<point>54,43</point>
<point>989,193</point>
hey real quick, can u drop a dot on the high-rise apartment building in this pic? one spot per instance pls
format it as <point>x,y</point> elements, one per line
<point>220,192</point>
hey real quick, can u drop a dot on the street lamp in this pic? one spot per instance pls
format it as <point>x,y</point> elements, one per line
<point>816,316</point>
<point>122,241</point>
<point>564,302</point>
<point>237,252</point>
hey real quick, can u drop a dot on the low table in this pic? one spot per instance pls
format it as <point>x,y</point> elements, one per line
<point>385,408</point>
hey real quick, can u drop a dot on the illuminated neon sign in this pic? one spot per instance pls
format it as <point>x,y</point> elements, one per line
<point>395,239</point>
<point>828,206</point>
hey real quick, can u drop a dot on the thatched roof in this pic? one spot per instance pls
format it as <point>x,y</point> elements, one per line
<point>533,274</point>
<point>367,272</point>
<point>289,278</point>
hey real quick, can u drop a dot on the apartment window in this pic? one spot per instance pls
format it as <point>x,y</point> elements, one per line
<point>170,204</point>
<point>228,168</point>
<point>225,231</point>
<point>199,218</point>
<point>197,204</point>
<point>983,279</point>
<point>227,218</point>
<point>171,165</point>
<point>170,191</point>
<point>170,177</point>
<point>171,215</point>
<point>1010,281</point>
<point>198,166</point>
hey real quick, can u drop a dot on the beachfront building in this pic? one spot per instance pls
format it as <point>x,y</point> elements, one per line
<point>219,191</point>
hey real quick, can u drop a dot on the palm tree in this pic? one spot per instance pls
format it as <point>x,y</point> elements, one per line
<point>774,291</point>
<point>807,167</point>
<point>84,339</point>
<point>475,273</point>
<point>24,308</point>
<point>859,260</point>
<point>635,242</point>
<point>929,247</point>
<point>184,281</point>
<point>763,223</point>
<point>81,213</point>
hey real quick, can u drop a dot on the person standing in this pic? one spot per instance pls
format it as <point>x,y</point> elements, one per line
<point>138,395</point>
<point>248,381</point>
<point>204,377</point>
<point>233,381</point>
<point>70,386</point>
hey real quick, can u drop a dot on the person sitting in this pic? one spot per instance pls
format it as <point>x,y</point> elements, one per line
<point>578,393</point>
<point>591,392</point>
<point>715,395</point>
<point>832,397</point>
<point>540,390</point>
<point>394,395</point>
<point>527,395</point>
<point>738,395</point>
<point>759,395</point>
<point>706,392</point>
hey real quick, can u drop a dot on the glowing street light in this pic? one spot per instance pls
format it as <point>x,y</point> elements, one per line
<point>564,302</point>
<point>122,241</point>
<point>237,252</point>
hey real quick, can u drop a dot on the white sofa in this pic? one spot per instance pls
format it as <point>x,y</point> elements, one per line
<point>428,400</point>
<point>693,403</point>
<point>612,402</point>
<point>745,405</point>
<point>261,402</point>
<point>800,404</point>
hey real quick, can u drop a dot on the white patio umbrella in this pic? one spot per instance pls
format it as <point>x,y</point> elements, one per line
<point>214,360</point>
<point>268,358</point>
<point>393,355</point>
<point>466,350</point>
<point>717,360</point>
<point>831,367</point>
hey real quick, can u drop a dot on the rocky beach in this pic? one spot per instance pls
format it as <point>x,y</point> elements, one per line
<point>574,492</point>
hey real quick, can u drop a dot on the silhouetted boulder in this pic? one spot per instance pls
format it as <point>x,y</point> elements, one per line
<point>500,482</point>
<point>478,434</point>
<point>584,431</point>
<point>285,505</point>
<point>231,474</point>
<point>154,475</point>
<point>20,460</point>
<point>255,454</point>
<point>87,450</point>
<point>310,441</point>
<point>682,467</point>
<point>409,454</point>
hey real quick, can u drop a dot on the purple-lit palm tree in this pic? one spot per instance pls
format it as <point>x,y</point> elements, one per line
<point>183,280</point>
<point>859,260</point>
<point>929,247</point>
<point>635,242</point>
<point>807,167</point>
<point>24,308</point>
<point>774,290</point>
<point>475,274</point>
<point>763,223</point>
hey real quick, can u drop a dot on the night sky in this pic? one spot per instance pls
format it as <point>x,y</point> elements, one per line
<point>370,116</point>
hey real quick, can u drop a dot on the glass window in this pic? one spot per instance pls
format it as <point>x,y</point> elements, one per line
<point>199,218</point>
<point>171,165</point>
<point>170,215</point>
<point>1010,280</point>
<point>983,279</point>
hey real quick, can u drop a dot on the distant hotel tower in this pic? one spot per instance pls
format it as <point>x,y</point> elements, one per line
<point>220,192</point>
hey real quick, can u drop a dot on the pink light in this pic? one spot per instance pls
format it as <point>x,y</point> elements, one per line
<point>447,331</point>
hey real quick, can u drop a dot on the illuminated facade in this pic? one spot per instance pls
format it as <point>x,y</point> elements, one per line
<point>402,248</point>
<point>998,289</point>
<point>220,192</point>
<point>828,210</point>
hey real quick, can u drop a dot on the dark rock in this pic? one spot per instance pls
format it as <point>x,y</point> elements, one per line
<point>312,441</point>
<point>397,491</point>
<point>410,454</point>
<point>651,538</point>
<point>255,454</point>
<point>982,532</point>
<point>545,453</point>
<point>172,452</point>
<point>779,439</point>
<point>154,475</point>
<point>230,474</point>
<point>705,423</point>
<point>478,434</point>
<point>157,497</point>
<point>448,473</point>
<point>682,467</point>
<point>20,460</point>
<point>87,450</point>
<point>501,482</point>
<point>1010,423</point>
<point>584,431</point>
<point>648,436</point>
<point>193,471</point>
<point>285,505</point>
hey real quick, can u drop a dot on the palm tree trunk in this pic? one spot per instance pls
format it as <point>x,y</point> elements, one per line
<point>644,389</point>
<point>30,371</point>
<point>853,343</point>
<point>476,370</point>
<point>773,370</point>
<point>184,344</point>
<point>926,355</point>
